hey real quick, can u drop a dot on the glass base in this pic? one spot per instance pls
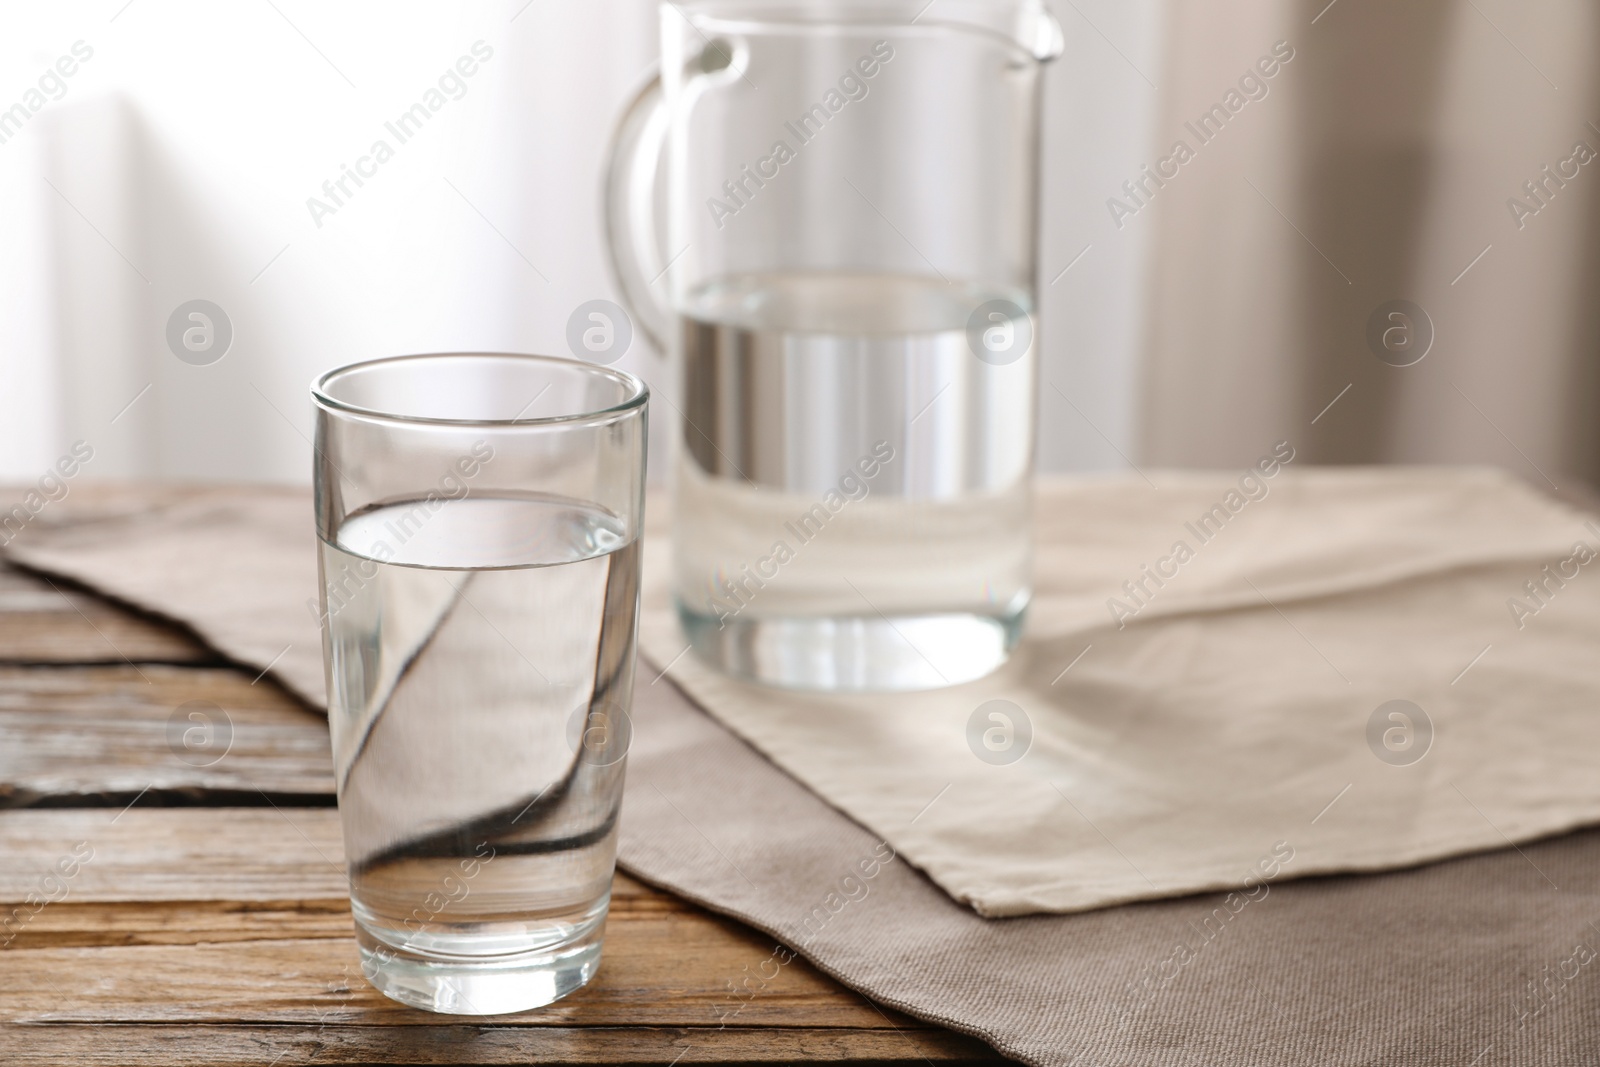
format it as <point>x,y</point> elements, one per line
<point>855,654</point>
<point>464,984</point>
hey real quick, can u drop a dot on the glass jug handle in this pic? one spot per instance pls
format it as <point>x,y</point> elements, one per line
<point>630,198</point>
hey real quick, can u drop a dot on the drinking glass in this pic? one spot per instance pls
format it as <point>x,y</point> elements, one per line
<point>479,516</point>
<point>826,210</point>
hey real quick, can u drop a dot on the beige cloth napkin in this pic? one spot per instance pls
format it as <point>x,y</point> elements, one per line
<point>1224,727</point>
<point>1483,960</point>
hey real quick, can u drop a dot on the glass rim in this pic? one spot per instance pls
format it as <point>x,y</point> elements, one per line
<point>637,392</point>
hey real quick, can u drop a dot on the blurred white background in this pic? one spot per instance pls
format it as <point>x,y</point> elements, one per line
<point>176,162</point>
<point>1229,312</point>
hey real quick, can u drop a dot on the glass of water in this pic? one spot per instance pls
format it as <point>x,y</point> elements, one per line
<point>479,518</point>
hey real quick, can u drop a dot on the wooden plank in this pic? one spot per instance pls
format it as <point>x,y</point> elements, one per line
<point>49,621</point>
<point>74,924</point>
<point>70,924</point>
<point>157,854</point>
<point>239,916</point>
<point>260,1046</point>
<point>656,971</point>
<point>216,960</point>
<point>666,963</point>
<point>194,854</point>
<point>119,731</point>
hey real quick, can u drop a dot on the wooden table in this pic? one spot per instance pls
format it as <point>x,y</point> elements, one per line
<point>157,912</point>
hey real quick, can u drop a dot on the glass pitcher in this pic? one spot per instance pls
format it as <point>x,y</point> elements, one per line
<point>825,212</point>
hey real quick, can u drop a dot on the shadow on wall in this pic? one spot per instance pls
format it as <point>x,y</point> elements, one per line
<point>1382,169</point>
<point>157,383</point>
<point>1377,165</point>
<point>99,291</point>
<point>1367,169</point>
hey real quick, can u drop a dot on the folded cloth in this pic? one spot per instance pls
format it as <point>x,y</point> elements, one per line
<point>1482,960</point>
<point>1226,681</point>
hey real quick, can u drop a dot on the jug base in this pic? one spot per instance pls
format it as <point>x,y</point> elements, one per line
<point>852,654</point>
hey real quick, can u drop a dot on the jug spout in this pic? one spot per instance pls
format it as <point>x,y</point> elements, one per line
<point>1028,23</point>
